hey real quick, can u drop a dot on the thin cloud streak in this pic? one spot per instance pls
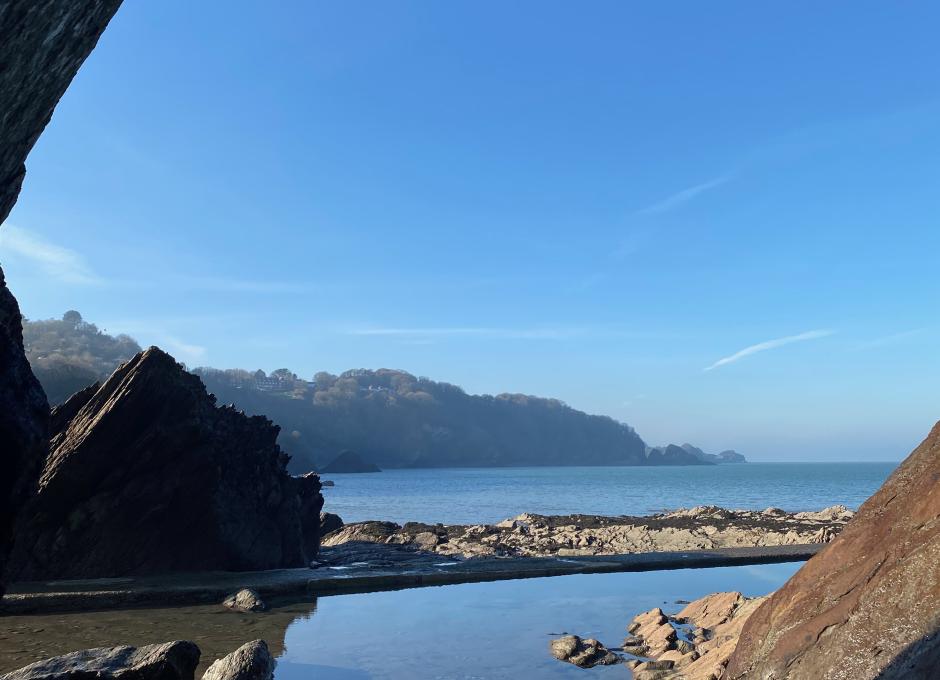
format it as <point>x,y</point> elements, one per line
<point>681,197</point>
<point>52,260</point>
<point>768,345</point>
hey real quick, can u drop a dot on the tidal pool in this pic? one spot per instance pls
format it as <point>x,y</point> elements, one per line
<point>477,630</point>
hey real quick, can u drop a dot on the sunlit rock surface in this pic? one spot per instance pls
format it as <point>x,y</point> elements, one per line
<point>527,535</point>
<point>868,605</point>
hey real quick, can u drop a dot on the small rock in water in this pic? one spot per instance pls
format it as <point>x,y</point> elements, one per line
<point>245,600</point>
<point>585,653</point>
<point>682,602</point>
<point>251,661</point>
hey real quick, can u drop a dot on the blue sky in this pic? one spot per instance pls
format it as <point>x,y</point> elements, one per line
<point>714,221</point>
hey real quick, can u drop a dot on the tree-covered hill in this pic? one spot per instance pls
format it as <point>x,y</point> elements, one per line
<point>389,418</point>
<point>68,354</point>
<point>393,419</point>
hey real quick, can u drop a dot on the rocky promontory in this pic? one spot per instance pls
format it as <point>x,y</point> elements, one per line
<point>528,535</point>
<point>146,474</point>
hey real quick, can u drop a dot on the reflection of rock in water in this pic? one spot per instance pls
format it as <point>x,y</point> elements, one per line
<point>217,630</point>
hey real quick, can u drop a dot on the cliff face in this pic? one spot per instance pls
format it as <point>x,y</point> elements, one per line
<point>42,45</point>
<point>148,475</point>
<point>24,422</point>
<point>868,605</point>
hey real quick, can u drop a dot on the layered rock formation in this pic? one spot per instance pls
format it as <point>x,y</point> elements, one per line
<point>42,45</point>
<point>24,423</point>
<point>148,475</point>
<point>701,528</point>
<point>868,605</point>
<point>695,644</point>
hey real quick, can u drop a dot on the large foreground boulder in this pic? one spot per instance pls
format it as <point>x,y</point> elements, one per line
<point>868,605</point>
<point>42,45</point>
<point>168,661</point>
<point>150,476</point>
<point>251,661</point>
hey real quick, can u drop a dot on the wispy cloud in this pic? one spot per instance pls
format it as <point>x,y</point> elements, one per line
<point>768,345</point>
<point>681,197</point>
<point>52,260</point>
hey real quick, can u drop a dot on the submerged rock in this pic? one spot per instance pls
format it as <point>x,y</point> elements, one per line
<point>868,605</point>
<point>150,476</point>
<point>168,661</point>
<point>251,661</point>
<point>585,653</point>
<point>245,600</point>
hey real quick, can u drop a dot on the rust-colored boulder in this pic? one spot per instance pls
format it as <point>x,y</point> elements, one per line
<point>868,605</point>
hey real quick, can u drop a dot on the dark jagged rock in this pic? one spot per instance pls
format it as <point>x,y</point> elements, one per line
<point>311,503</point>
<point>169,661</point>
<point>150,476</point>
<point>673,455</point>
<point>42,45</point>
<point>24,422</point>
<point>349,461</point>
<point>251,661</point>
<point>868,605</point>
<point>330,523</point>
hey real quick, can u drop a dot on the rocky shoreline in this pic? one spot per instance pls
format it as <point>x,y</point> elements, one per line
<point>529,535</point>
<point>693,644</point>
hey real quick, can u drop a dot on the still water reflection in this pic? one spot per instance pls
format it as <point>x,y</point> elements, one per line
<point>479,630</point>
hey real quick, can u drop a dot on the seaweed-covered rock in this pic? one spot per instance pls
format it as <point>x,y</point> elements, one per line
<point>150,476</point>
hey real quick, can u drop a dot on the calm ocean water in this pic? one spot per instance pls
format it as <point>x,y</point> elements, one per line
<point>477,495</point>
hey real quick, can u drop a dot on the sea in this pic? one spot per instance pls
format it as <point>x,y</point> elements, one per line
<point>470,631</point>
<point>489,495</point>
